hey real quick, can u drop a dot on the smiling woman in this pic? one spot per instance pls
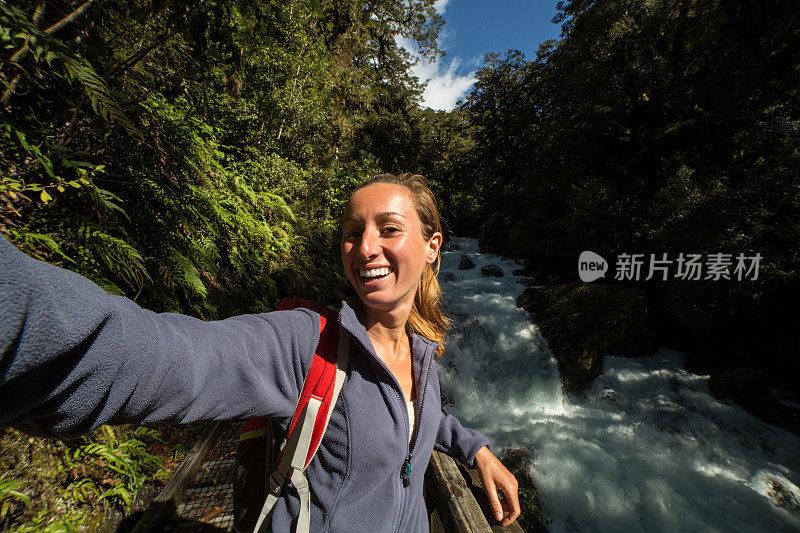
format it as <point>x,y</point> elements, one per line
<point>404,216</point>
<point>76,357</point>
<point>386,247</point>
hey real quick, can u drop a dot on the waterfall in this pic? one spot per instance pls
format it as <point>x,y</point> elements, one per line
<point>645,448</point>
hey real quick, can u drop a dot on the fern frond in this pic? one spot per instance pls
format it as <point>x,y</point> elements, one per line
<point>98,92</point>
<point>189,273</point>
<point>122,259</point>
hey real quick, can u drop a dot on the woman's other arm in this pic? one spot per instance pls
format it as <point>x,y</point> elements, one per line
<point>74,357</point>
<point>457,441</point>
<point>472,448</point>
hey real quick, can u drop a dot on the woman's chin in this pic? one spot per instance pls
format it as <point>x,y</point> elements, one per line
<point>373,300</point>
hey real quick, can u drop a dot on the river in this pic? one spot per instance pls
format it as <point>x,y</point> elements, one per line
<point>646,448</point>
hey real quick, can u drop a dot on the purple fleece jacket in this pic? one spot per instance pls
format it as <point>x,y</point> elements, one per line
<point>74,357</point>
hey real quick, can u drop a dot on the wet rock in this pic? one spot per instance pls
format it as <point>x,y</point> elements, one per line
<point>453,247</point>
<point>466,263</point>
<point>491,271</point>
<point>518,460</point>
<point>447,276</point>
<point>749,387</point>
<point>582,323</point>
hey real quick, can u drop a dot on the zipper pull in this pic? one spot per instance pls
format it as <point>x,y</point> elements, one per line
<point>405,472</point>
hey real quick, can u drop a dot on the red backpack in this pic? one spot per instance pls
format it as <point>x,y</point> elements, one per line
<point>262,468</point>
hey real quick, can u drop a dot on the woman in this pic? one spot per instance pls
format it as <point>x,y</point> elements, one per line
<point>74,357</point>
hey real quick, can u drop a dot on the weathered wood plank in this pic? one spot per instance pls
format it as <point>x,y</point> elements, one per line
<point>170,496</point>
<point>449,493</point>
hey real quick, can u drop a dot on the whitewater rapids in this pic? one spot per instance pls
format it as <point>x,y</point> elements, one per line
<point>647,448</point>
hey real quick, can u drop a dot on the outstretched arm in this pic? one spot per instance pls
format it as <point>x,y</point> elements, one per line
<point>73,357</point>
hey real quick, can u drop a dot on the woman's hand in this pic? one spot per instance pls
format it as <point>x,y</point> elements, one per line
<point>496,477</point>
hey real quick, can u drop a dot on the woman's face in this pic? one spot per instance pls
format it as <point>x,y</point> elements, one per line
<point>383,249</point>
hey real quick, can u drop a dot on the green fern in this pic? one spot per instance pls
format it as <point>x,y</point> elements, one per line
<point>188,273</point>
<point>150,433</point>
<point>103,103</point>
<point>10,491</point>
<point>122,259</point>
<point>84,490</point>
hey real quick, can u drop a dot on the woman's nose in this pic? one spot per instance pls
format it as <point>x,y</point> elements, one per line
<point>369,246</point>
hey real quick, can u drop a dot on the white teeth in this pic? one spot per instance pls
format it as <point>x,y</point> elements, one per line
<point>373,272</point>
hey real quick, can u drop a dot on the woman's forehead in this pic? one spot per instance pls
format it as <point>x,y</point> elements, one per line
<point>380,199</point>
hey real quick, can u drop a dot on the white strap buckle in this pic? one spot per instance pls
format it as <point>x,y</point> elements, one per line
<point>276,482</point>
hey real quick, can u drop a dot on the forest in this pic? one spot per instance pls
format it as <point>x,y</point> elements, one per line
<point>195,156</point>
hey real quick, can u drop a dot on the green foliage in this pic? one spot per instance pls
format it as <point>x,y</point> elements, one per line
<point>52,485</point>
<point>11,494</point>
<point>103,103</point>
<point>196,157</point>
<point>125,458</point>
<point>532,515</point>
<point>210,169</point>
<point>41,523</point>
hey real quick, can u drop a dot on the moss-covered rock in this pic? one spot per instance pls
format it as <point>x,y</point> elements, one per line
<point>583,322</point>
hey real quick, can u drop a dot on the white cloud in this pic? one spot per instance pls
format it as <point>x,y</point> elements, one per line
<point>440,6</point>
<point>444,84</point>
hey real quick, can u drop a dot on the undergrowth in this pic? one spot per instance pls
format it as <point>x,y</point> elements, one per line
<point>53,485</point>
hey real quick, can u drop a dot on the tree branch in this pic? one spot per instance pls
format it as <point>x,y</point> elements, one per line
<point>141,54</point>
<point>23,52</point>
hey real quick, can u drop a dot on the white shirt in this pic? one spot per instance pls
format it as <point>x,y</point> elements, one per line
<point>411,407</point>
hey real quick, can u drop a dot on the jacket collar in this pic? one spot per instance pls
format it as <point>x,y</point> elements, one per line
<point>422,348</point>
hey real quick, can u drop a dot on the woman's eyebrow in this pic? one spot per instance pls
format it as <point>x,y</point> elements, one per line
<point>385,214</point>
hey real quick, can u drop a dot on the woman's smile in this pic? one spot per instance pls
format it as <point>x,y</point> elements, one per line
<point>371,275</point>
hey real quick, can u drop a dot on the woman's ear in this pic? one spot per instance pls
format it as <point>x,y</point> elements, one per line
<point>434,245</point>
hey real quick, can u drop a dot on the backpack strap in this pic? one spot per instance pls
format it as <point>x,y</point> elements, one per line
<point>319,394</point>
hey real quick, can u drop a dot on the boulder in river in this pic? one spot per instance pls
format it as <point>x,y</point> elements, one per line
<point>582,323</point>
<point>749,387</point>
<point>491,271</point>
<point>466,263</point>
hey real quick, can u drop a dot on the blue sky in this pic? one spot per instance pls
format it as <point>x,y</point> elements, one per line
<point>475,27</point>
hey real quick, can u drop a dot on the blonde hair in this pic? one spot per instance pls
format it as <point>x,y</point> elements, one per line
<point>426,316</point>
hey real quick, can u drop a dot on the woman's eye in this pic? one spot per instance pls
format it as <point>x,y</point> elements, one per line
<point>352,234</point>
<point>390,230</point>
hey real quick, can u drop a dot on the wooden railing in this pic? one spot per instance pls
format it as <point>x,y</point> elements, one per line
<point>456,500</point>
<point>454,496</point>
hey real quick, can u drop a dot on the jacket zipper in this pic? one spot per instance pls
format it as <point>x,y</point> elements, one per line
<point>407,466</point>
<point>405,471</point>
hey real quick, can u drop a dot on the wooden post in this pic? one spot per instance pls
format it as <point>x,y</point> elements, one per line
<point>456,500</point>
